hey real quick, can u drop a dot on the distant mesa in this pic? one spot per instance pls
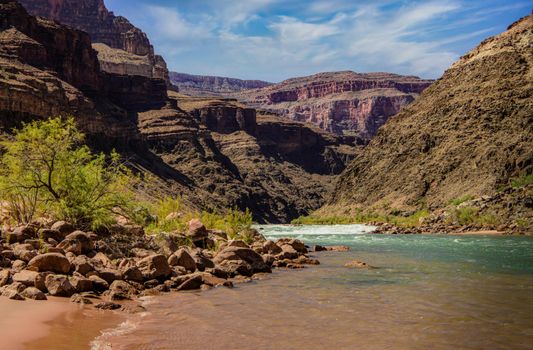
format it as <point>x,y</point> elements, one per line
<point>345,103</point>
<point>205,85</point>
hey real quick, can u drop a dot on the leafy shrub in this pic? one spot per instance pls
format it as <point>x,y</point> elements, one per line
<point>460,200</point>
<point>46,170</point>
<point>522,181</point>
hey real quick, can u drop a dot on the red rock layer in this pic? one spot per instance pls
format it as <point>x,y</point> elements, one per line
<point>341,102</point>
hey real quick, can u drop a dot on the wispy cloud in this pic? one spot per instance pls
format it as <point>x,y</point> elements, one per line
<point>275,39</point>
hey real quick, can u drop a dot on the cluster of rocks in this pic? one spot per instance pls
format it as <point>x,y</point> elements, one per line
<point>57,260</point>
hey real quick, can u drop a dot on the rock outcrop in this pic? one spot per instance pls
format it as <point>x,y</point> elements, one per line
<point>202,85</point>
<point>469,134</point>
<point>123,49</point>
<point>234,158</point>
<point>341,102</point>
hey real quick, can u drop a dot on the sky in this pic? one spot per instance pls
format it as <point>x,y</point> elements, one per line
<point>274,40</point>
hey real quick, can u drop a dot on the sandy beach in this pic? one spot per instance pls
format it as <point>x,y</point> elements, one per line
<point>52,324</point>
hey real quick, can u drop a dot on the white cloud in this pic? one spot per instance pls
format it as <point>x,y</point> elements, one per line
<point>250,39</point>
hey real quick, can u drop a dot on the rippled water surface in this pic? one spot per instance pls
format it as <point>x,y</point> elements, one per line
<point>426,292</point>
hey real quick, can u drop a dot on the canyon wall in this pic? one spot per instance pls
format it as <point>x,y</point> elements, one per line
<point>202,85</point>
<point>119,39</point>
<point>341,102</point>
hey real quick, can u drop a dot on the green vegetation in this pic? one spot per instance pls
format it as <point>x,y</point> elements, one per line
<point>362,217</point>
<point>461,200</point>
<point>47,171</point>
<point>471,215</point>
<point>168,214</point>
<point>522,181</point>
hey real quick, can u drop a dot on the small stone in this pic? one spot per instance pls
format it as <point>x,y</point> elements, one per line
<point>107,305</point>
<point>33,293</point>
<point>78,299</point>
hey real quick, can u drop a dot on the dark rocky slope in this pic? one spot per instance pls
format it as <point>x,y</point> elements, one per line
<point>202,85</point>
<point>340,102</point>
<point>468,134</point>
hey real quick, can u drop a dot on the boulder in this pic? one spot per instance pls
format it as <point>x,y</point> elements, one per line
<point>47,234</point>
<point>102,260</point>
<point>246,255</point>
<point>12,294</point>
<point>196,230</point>
<point>154,267</point>
<point>202,261</point>
<point>358,264</point>
<point>21,233</point>
<point>194,281</point>
<point>213,281</point>
<point>63,227</point>
<point>271,248</point>
<point>82,264</point>
<point>79,299</point>
<point>71,246</point>
<point>5,277</point>
<point>87,244</point>
<point>40,281</point>
<point>110,275</point>
<point>99,284</point>
<point>287,252</point>
<point>121,290</point>
<point>237,243</point>
<point>58,285</point>
<point>232,268</point>
<point>81,284</point>
<point>182,258</point>
<point>108,305</point>
<point>296,244</point>
<point>33,293</point>
<point>53,262</point>
<point>24,252</point>
<point>19,265</point>
<point>26,277</point>
<point>132,273</point>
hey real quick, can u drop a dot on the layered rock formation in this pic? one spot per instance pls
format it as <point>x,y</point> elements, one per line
<point>468,134</point>
<point>341,102</point>
<point>201,85</point>
<point>124,49</point>
<point>235,158</point>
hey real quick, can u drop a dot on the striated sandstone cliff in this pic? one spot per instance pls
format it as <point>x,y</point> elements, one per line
<point>201,85</point>
<point>118,36</point>
<point>466,135</point>
<point>341,102</point>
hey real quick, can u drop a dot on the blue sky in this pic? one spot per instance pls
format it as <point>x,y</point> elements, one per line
<point>278,39</point>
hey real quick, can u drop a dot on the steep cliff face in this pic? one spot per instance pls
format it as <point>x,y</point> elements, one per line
<point>341,102</point>
<point>467,134</point>
<point>118,36</point>
<point>277,168</point>
<point>201,85</point>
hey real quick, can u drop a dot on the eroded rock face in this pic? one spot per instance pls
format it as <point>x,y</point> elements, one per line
<point>200,85</point>
<point>467,134</point>
<point>118,35</point>
<point>340,102</point>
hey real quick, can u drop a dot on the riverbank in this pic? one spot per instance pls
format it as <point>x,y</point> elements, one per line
<point>55,324</point>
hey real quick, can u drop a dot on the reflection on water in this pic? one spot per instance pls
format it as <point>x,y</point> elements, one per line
<point>428,292</point>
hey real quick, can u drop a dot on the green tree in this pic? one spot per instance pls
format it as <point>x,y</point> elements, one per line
<point>47,170</point>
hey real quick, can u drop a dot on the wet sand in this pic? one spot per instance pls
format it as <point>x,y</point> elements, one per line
<point>52,324</point>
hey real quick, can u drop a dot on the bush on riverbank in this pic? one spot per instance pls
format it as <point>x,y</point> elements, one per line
<point>48,171</point>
